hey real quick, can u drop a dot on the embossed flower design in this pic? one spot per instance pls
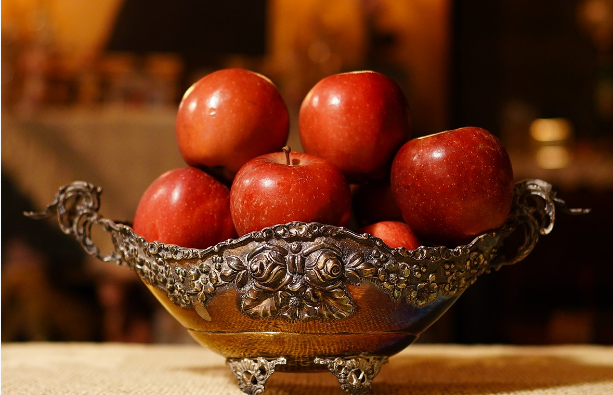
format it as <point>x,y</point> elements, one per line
<point>294,283</point>
<point>268,268</point>
<point>394,277</point>
<point>357,268</point>
<point>324,268</point>
<point>425,292</point>
<point>206,279</point>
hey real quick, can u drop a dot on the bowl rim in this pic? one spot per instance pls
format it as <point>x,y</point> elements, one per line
<point>420,276</point>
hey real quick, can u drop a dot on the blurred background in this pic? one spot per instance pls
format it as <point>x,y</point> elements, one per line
<point>90,91</point>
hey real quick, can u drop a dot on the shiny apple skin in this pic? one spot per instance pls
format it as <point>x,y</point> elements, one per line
<point>357,121</point>
<point>454,185</point>
<point>266,191</point>
<point>393,233</point>
<point>229,117</point>
<point>186,207</point>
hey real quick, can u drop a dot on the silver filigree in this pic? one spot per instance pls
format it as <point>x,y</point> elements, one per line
<point>252,373</point>
<point>300,271</point>
<point>355,374</point>
<point>293,283</point>
<point>76,208</point>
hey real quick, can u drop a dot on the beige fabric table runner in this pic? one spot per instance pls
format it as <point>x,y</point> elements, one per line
<point>92,369</point>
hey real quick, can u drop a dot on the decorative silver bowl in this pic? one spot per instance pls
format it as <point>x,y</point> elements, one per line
<point>307,297</point>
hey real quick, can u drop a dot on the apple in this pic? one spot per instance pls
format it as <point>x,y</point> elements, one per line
<point>453,185</point>
<point>286,186</point>
<point>229,117</point>
<point>393,233</point>
<point>357,121</point>
<point>186,207</point>
<point>374,202</point>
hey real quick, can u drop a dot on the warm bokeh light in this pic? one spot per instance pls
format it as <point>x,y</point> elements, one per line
<point>551,129</point>
<point>77,28</point>
<point>553,157</point>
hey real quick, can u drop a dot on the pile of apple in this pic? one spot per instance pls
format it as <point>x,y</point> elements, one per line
<point>359,165</point>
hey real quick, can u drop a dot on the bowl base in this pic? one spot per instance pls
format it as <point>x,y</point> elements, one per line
<point>354,373</point>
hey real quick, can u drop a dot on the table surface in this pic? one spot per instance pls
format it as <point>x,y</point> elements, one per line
<point>86,368</point>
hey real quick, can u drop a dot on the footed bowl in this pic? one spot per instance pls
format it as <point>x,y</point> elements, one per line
<point>306,297</point>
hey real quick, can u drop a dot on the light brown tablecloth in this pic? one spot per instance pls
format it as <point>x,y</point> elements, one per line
<point>88,369</point>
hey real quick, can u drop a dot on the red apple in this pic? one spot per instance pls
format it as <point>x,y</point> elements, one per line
<point>186,207</point>
<point>454,185</point>
<point>281,187</point>
<point>374,202</point>
<point>393,233</point>
<point>357,121</point>
<point>229,117</point>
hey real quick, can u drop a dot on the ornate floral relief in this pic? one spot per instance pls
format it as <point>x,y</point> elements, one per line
<point>300,271</point>
<point>303,281</point>
<point>252,373</point>
<point>293,283</point>
<point>354,374</point>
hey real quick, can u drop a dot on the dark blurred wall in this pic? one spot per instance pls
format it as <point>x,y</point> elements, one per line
<point>535,59</point>
<point>202,32</point>
<point>534,53</point>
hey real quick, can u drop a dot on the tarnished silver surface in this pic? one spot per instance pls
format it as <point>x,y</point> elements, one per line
<point>354,374</point>
<point>252,373</point>
<point>300,276</point>
<point>300,270</point>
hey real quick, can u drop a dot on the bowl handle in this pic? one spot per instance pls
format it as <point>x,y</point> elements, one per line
<point>535,204</point>
<point>76,208</point>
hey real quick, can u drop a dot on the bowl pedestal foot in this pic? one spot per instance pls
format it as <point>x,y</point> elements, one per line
<point>355,374</point>
<point>252,373</point>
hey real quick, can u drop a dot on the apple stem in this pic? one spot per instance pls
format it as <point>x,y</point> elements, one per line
<point>287,150</point>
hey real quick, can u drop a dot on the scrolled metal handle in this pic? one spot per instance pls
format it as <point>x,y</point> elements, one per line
<point>534,213</point>
<point>76,207</point>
